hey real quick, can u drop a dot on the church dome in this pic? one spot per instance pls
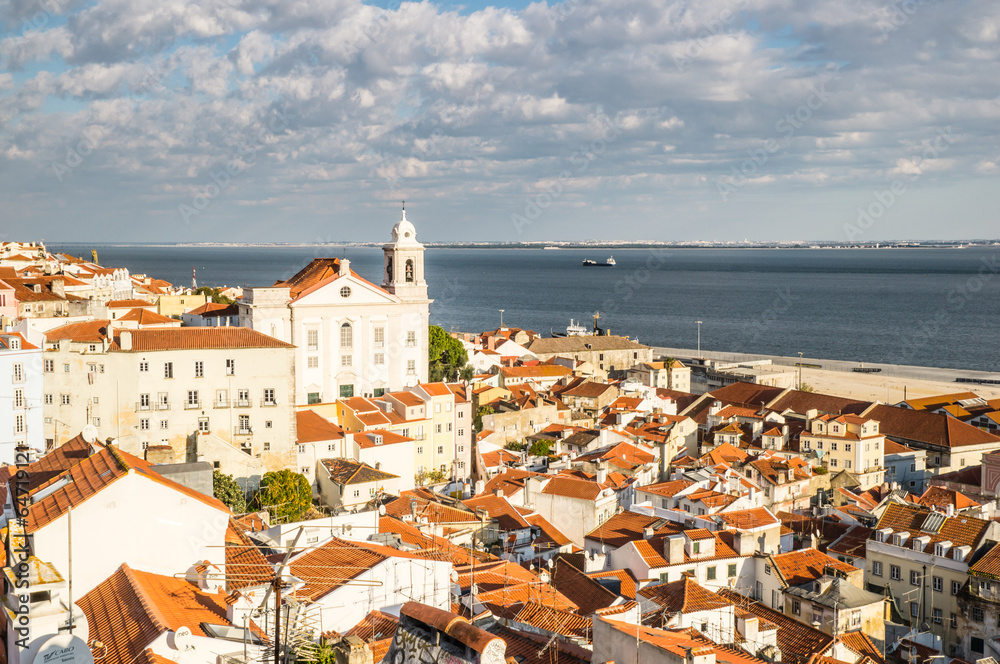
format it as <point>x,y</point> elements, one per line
<point>404,232</point>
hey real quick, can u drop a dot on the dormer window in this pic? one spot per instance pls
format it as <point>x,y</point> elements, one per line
<point>941,549</point>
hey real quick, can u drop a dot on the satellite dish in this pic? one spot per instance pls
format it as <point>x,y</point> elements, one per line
<point>183,640</point>
<point>90,434</point>
<point>65,649</point>
<point>454,576</point>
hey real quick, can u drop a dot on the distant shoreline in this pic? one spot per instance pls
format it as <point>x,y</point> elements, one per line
<point>901,244</point>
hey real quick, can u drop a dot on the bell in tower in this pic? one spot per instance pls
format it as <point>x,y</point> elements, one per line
<point>404,262</point>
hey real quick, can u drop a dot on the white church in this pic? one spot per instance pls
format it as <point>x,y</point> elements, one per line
<point>352,338</point>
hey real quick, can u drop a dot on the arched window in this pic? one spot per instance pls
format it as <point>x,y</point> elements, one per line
<point>388,269</point>
<point>409,270</point>
<point>346,336</point>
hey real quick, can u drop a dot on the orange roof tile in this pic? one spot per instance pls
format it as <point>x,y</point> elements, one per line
<point>311,427</point>
<point>245,564</point>
<point>684,596</point>
<point>184,338</point>
<point>805,565</point>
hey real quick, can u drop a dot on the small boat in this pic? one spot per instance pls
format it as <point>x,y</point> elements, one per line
<point>608,263</point>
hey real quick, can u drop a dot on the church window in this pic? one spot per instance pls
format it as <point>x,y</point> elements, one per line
<point>345,291</point>
<point>388,269</point>
<point>409,270</point>
<point>346,336</point>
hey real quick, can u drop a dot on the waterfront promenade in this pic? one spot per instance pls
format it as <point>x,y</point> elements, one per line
<point>838,376</point>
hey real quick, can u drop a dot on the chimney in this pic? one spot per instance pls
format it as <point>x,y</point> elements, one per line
<point>345,266</point>
<point>602,473</point>
<point>125,340</point>
<point>59,287</point>
<point>949,509</point>
<point>352,650</point>
<point>673,549</point>
<point>744,543</point>
<point>748,626</point>
<point>647,532</point>
<point>498,493</point>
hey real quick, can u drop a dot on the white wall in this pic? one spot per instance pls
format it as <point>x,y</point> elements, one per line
<point>31,413</point>
<point>137,521</point>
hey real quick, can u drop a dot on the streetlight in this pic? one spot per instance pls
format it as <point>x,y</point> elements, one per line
<point>800,369</point>
<point>699,338</point>
<point>501,317</point>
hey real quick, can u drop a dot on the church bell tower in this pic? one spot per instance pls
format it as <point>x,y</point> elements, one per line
<point>403,274</point>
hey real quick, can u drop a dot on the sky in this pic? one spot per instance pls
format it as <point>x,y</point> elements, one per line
<point>311,120</point>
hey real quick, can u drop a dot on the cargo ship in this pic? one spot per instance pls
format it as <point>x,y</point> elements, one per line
<point>608,263</point>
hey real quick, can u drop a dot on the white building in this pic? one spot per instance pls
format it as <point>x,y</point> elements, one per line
<point>352,337</point>
<point>20,396</point>
<point>347,580</point>
<point>222,395</point>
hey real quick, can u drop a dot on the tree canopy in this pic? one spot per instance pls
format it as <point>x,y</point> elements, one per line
<point>285,494</point>
<point>226,489</point>
<point>446,355</point>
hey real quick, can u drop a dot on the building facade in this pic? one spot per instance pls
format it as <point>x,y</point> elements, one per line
<point>20,396</point>
<point>353,338</point>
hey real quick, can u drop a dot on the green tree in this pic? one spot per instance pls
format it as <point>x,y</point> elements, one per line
<point>285,494</point>
<point>477,420</point>
<point>445,354</point>
<point>226,489</point>
<point>215,294</point>
<point>467,372</point>
<point>540,448</point>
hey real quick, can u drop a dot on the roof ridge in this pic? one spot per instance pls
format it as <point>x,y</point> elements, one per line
<point>119,459</point>
<point>152,610</point>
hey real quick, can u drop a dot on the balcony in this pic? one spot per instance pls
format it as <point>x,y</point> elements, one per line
<point>223,403</point>
<point>163,405</point>
<point>243,431</point>
<point>268,403</point>
<point>192,405</point>
<point>242,403</point>
<point>143,406</point>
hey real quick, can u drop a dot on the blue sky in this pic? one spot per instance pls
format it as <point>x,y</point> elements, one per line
<point>264,120</point>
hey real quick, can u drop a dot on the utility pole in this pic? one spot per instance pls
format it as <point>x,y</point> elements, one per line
<point>699,338</point>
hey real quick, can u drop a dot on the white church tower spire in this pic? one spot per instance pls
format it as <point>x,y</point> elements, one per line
<point>404,263</point>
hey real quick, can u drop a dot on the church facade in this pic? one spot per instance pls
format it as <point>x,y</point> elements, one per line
<point>352,337</point>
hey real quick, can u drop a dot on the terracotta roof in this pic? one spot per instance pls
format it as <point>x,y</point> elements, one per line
<point>208,307</point>
<point>89,476</point>
<point>684,596</point>
<point>6,340</point>
<point>797,641</point>
<point>805,565</point>
<point>184,338</point>
<point>527,648</point>
<point>628,526</point>
<point>335,562</point>
<point>586,593</point>
<point>860,643</point>
<point>346,471</point>
<point>147,317</point>
<point>433,511</point>
<point>626,580</point>
<point>537,371</point>
<point>500,510</point>
<point>988,565</point>
<point>431,546</point>
<point>553,620</point>
<point>376,626</point>
<point>853,543</point>
<point>91,331</point>
<point>130,304</point>
<point>940,497</point>
<point>318,272</point>
<point>929,428</point>
<point>245,564</point>
<point>546,345</point>
<point>561,485</point>
<point>366,440</point>
<point>959,530</point>
<point>58,461</point>
<point>666,489</point>
<point>683,643</point>
<point>311,427</point>
<point>550,537</point>
<point>755,517</point>
<point>130,609</point>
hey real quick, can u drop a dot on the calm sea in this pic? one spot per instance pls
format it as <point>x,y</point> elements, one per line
<point>930,307</point>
